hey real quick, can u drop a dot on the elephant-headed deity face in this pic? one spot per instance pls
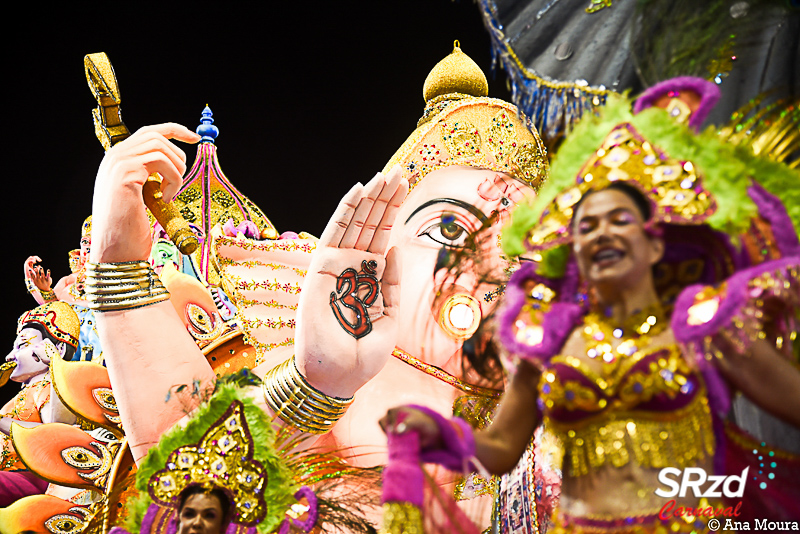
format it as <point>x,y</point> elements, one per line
<point>46,332</point>
<point>30,354</point>
<point>456,211</point>
<point>469,161</point>
<point>164,252</point>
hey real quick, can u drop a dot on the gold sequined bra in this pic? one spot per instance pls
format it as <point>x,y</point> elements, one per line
<point>649,408</point>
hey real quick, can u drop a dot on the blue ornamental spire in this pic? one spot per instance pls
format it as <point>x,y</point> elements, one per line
<point>207,130</point>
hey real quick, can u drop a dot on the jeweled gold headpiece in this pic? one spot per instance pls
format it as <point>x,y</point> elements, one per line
<point>58,318</point>
<point>672,187</point>
<point>224,458</point>
<point>461,126</point>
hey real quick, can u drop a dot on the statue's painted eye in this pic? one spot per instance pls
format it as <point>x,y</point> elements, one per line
<point>447,232</point>
<point>451,230</point>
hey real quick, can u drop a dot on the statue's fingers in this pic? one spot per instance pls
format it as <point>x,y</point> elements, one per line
<point>380,240</point>
<point>162,163</point>
<point>155,143</point>
<point>170,130</point>
<point>338,223</point>
<point>371,191</point>
<point>378,209</point>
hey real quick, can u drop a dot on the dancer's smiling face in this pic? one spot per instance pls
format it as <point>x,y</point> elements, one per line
<point>610,240</point>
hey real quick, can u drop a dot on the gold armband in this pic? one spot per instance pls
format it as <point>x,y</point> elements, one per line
<point>298,403</point>
<point>30,286</point>
<point>122,286</point>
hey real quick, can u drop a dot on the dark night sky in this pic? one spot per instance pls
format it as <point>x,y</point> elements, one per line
<point>308,100</point>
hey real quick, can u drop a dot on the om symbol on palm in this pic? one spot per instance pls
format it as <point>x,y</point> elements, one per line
<point>356,291</point>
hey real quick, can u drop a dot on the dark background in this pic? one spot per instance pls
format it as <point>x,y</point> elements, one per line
<point>309,98</point>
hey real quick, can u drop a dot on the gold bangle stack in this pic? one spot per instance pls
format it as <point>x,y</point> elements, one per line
<point>122,286</point>
<point>298,403</point>
<point>48,295</point>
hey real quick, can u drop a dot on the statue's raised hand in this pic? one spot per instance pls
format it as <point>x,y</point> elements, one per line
<point>120,228</point>
<point>347,317</point>
<point>35,274</point>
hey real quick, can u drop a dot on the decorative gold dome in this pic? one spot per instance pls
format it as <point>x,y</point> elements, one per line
<point>457,73</point>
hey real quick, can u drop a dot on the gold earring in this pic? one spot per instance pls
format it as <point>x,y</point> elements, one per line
<point>460,315</point>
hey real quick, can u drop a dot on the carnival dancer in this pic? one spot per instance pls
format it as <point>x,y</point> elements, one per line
<point>468,162</point>
<point>630,378</point>
<point>203,511</point>
<point>229,469</point>
<point>47,332</point>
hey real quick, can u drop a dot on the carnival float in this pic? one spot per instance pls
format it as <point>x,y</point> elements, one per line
<point>195,345</point>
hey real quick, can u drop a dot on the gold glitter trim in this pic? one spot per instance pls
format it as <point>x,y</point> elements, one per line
<point>597,5</point>
<point>58,318</point>
<point>285,245</point>
<point>223,457</point>
<point>269,323</point>
<point>253,264</point>
<point>545,82</point>
<point>244,285</point>
<point>444,376</point>
<point>670,185</point>
<point>243,302</point>
<point>463,133</point>
<point>401,518</point>
<point>674,439</point>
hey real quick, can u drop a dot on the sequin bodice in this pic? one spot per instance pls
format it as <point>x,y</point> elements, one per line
<point>650,408</point>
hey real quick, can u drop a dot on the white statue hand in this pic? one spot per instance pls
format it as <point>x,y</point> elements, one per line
<point>347,317</point>
<point>120,228</point>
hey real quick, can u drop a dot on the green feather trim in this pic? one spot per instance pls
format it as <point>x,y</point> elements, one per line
<point>725,169</point>
<point>280,489</point>
<point>554,262</point>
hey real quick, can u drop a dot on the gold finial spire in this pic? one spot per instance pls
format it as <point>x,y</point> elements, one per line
<point>456,73</point>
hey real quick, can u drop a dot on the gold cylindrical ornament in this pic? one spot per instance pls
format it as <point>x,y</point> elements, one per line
<point>122,286</point>
<point>167,214</point>
<point>298,403</point>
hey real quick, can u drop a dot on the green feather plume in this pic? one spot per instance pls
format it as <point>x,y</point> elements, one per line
<point>726,169</point>
<point>278,493</point>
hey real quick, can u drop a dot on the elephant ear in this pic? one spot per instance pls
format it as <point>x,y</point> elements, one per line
<point>65,455</point>
<point>263,280</point>
<point>85,389</point>
<point>45,514</point>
